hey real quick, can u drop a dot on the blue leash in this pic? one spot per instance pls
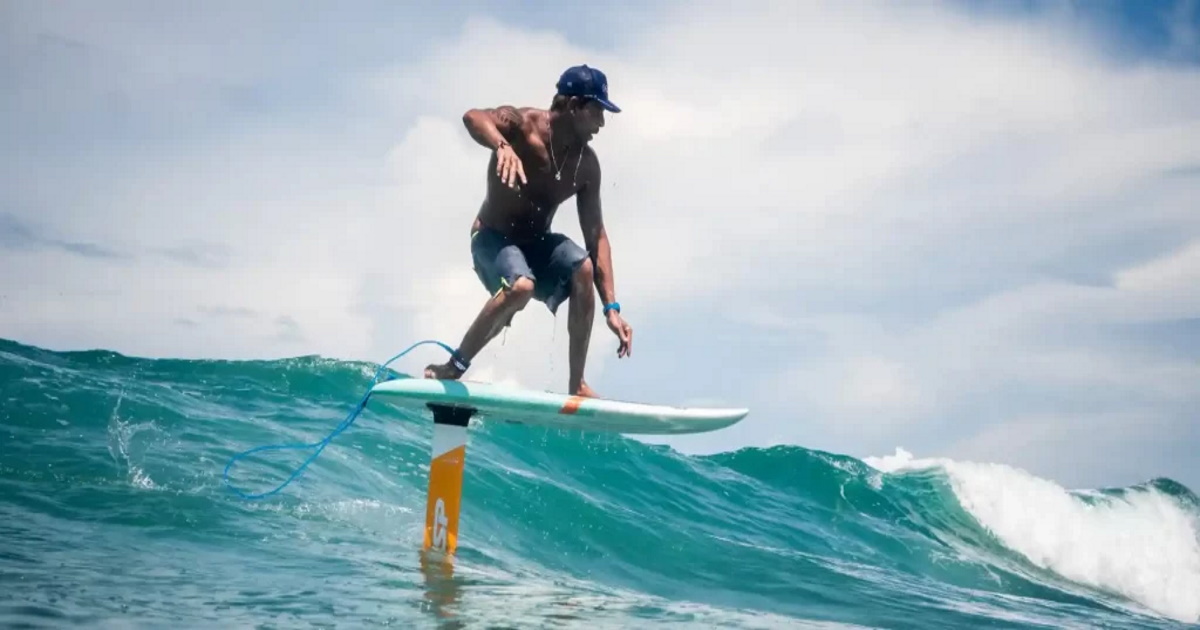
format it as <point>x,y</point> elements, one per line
<point>320,446</point>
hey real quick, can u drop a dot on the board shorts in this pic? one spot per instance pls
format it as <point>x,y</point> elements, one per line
<point>549,260</point>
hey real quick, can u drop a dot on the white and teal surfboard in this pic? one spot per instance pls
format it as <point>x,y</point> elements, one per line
<point>528,407</point>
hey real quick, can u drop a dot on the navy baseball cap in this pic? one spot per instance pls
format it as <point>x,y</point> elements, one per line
<point>586,82</point>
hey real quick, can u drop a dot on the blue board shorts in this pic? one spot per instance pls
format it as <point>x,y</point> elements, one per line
<point>549,260</point>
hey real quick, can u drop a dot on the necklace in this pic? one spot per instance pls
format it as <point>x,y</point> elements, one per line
<point>558,173</point>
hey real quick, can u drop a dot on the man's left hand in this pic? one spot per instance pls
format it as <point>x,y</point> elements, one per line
<point>623,331</point>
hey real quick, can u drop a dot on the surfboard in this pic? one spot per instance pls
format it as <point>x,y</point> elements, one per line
<point>560,411</point>
<point>454,403</point>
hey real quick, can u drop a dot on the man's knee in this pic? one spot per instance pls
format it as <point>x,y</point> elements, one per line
<point>585,274</point>
<point>520,292</point>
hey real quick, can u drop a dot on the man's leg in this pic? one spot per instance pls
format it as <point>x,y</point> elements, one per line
<point>581,314</point>
<point>503,270</point>
<point>564,273</point>
<point>496,312</point>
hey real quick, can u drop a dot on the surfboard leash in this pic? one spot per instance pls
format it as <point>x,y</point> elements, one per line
<point>345,424</point>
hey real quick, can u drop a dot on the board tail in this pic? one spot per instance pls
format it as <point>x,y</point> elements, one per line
<point>446,477</point>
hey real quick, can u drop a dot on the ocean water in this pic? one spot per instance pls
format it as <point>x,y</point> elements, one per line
<point>114,514</point>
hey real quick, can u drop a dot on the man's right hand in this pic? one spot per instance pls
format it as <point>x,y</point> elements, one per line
<point>508,166</point>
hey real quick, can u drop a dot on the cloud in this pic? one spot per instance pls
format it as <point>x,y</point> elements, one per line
<point>873,224</point>
<point>1097,441</point>
<point>17,234</point>
<point>226,311</point>
<point>197,254</point>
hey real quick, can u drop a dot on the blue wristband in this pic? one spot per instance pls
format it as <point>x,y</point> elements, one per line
<point>615,306</point>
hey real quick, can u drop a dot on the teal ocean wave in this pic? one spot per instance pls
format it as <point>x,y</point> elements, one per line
<point>113,513</point>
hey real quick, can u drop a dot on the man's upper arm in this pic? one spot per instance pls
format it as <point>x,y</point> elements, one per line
<point>508,119</point>
<point>591,219</point>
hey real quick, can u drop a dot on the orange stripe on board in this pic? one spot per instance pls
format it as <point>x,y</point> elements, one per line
<point>572,405</point>
<point>445,494</point>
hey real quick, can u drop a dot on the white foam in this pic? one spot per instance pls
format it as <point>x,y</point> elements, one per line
<point>1145,545</point>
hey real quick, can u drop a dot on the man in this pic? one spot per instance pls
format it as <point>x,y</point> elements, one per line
<point>540,158</point>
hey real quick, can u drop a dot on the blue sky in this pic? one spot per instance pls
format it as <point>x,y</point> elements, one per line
<point>966,229</point>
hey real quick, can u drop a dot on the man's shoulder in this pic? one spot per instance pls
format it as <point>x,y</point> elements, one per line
<point>517,115</point>
<point>533,117</point>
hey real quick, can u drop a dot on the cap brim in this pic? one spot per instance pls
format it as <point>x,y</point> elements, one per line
<point>607,104</point>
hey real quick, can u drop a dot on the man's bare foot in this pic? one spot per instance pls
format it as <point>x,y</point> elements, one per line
<point>445,371</point>
<point>584,391</point>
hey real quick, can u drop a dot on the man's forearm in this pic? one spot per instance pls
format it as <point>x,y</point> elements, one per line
<point>603,276</point>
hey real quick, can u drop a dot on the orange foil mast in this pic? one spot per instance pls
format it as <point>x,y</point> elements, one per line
<point>446,476</point>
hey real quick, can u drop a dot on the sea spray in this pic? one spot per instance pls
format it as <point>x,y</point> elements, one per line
<point>1139,542</point>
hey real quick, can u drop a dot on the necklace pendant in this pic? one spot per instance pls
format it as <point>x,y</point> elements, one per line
<point>558,177</point>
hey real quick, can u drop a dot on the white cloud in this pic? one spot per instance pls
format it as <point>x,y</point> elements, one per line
<point>1169,282</point>
<point>903,199</point>
<point>1096,441</point>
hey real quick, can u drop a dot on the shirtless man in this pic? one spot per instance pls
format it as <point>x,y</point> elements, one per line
<point>540,158</point>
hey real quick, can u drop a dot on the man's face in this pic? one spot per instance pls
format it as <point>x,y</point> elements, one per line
<point>589,118</point>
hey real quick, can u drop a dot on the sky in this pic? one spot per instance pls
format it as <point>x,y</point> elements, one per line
<point>967,229</point>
